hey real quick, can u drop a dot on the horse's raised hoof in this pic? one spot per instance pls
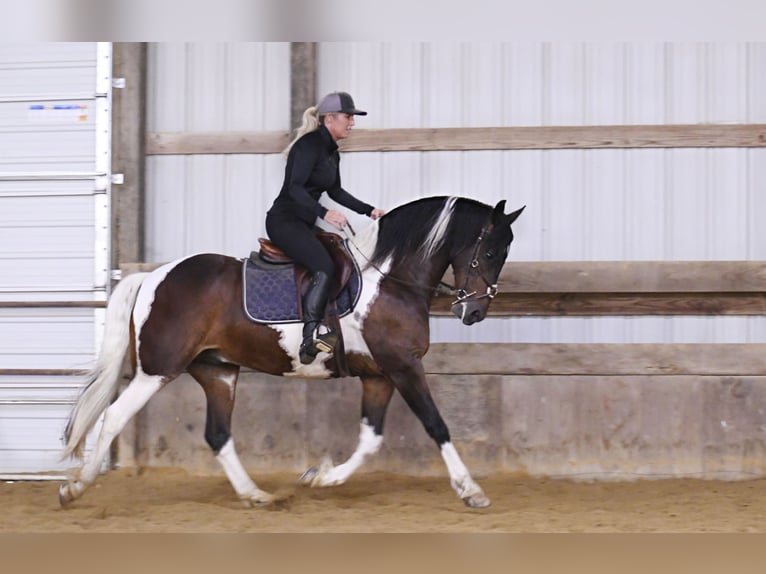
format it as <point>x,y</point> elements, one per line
<point>316,476</point>
<point>307,477</point>
<point>478,500</point>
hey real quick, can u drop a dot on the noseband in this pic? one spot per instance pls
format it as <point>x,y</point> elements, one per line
<point>462,295</point>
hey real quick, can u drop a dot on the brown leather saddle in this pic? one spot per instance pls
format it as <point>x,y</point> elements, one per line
<point>344,265</point>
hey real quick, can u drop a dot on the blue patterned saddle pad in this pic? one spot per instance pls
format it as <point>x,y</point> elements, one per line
<point>271,295</point>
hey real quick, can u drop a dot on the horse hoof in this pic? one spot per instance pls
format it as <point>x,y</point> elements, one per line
<point>258,499</point>
<point>478,500</point>
<point>247,503</point>
<point>308,476</point>
<point>317,476</point>
<point>65,495</point>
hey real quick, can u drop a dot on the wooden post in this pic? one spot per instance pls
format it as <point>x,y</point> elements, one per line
<point>303,73</point>
<point>128,152</point>
<point>128,198</point>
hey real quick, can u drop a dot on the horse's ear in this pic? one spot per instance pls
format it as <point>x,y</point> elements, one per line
<point>499,210</point>
<point>513,216</point>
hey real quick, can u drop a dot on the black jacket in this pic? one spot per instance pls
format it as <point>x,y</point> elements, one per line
<point>312,168</point>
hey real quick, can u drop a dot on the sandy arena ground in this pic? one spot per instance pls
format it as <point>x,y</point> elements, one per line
<point>169,500</point>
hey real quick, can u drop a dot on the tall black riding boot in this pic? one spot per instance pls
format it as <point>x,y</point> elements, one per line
<point>314,303</point>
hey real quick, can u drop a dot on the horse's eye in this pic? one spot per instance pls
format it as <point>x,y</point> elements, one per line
<point>489,254</point>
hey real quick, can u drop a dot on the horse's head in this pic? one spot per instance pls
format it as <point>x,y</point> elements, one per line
<point>478,266</point>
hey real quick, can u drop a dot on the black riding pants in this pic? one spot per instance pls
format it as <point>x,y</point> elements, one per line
<point>300,242</point>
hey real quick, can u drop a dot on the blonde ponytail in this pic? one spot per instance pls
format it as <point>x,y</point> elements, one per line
<point>310,124</point>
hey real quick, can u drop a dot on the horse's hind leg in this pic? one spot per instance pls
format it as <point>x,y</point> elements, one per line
<point>131,400</point>
<point>376,395</point>
<point>219,381</point>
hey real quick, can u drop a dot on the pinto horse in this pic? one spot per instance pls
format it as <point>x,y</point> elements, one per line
<point>188,316</point>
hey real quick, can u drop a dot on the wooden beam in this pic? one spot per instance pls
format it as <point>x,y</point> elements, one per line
<point>632,276</point>
<point>610,304</point>
<point>556,137</point>
<point>719,359</point>
<point>620,288</point>
<point>466,139</point>
<point>198,143</point>
<point>128,153</point>
<point>303,79</point>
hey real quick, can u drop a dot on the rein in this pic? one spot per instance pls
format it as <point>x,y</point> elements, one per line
<point>461,295</point>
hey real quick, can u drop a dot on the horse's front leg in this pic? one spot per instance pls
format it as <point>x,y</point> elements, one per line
<point>376,395</point>
<point>410,380</point>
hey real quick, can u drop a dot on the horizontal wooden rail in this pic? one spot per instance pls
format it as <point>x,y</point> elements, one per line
<point>557,137</point>
<point>186,143</point>
<point>633,276</point>
<point>616,288</point>
<point>622,304</point>
<point>715,359</point>
<point>482,138</point>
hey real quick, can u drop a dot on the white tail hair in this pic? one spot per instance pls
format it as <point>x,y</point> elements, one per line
<point>103,378</point>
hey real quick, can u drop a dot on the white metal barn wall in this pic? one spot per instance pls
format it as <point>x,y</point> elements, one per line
<point>54,239</point>
<point>213,202</point>
<point>638,204</point>
<point>606,204</point>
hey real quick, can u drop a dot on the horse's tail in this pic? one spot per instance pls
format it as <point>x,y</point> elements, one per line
<point>103,379</point>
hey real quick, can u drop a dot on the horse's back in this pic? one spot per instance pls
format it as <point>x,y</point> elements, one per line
<point>179,304</point>
<point>199,269</point>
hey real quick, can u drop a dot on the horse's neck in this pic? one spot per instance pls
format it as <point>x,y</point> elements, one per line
<point>424,274</point>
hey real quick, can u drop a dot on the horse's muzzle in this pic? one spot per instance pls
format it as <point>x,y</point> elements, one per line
<point>469,312</point>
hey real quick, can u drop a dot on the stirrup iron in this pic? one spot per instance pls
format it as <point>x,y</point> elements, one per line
<point>316,343</point>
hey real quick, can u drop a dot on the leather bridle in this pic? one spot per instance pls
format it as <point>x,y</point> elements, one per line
<point>462,295</point>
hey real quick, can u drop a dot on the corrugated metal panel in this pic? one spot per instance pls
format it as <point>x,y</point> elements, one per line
<point>600,204</point>
<point>582,204</point>
<point>54,237</point>
<point>213,203</point>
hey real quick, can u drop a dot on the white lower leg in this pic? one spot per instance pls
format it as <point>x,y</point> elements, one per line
<point>243,485</point>
<point>460,478</point>
<point>369,443</point>
<point>132,399</point>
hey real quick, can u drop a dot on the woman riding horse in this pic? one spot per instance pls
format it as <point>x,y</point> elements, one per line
<point>313,168</point>
<point>154,324</point>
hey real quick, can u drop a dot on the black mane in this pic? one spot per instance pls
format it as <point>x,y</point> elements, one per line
<point>404,230</point>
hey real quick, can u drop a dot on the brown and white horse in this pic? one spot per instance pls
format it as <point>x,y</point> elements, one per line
<point>188,316</point>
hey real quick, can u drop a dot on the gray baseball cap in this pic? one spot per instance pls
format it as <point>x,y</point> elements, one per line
<point>338,102</point>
